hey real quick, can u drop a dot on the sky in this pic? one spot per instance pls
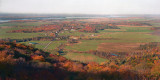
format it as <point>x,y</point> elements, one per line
<point>81,6</point>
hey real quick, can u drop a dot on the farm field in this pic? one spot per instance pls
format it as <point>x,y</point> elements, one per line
<point>118,37</point>
<point>43,44</point>
<point>40,45</point>
<point>84,57</point>
<point>108,40</point>
<point>119,47</point>
<point>4,33</point>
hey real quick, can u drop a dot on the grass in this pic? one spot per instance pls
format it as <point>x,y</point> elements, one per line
<point>155,24</point>
<point>142,19</point>
<point>125,34</point>
<point>132,37</point>
<point>42,44</point>
<point>123,37</point>
<point>129,29</point>
<point>86,45</point>
<point>20,35</point>
<point>10,26</point>
<point>84,57</point>
<point>55,44</point>
<point>73,33</point>
<point>4,34</point>
<point>137,29</point>
<point>77,33</point>
<point>114,30</point>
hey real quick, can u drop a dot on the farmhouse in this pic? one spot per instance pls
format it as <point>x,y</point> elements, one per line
<point>74,37</point>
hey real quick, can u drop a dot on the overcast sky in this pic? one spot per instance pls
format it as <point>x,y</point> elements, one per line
<point>81,6</point>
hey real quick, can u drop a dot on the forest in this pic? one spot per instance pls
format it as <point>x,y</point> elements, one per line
<point>19,61</point>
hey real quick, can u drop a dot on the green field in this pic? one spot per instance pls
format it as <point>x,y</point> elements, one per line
<point>74,33</point>
<point>129,34</point>
<point>55,44</point>
<point>86,45</point>
<point>137,29</point>
<point>4,34</point>
<point>42,44</point>
<point>21,25</point>
<point>155,24</point>
<point>84,57</point>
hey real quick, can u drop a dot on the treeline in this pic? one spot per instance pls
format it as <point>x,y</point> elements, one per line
<point>133,23</point>
<point>90,27</point>
<point>95,27</point>
<point>38,29</point>
<point>57,27</point>
<point>155,28</point>
<point>47,38</point>
<point>106,26</point>
<point>148,46</point>
<point>107,55</point>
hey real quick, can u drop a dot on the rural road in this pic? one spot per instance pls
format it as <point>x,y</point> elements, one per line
<point>47,45</point>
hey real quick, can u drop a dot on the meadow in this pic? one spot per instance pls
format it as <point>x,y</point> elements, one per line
<point>124,35</point>
<point>4,33</point>
<point>42,44</point>
<point>84,57</point>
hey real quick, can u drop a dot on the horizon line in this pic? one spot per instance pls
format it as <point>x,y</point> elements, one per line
<point>77,13</point>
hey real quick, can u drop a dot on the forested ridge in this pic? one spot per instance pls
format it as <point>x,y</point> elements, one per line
<point>21,62</point>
